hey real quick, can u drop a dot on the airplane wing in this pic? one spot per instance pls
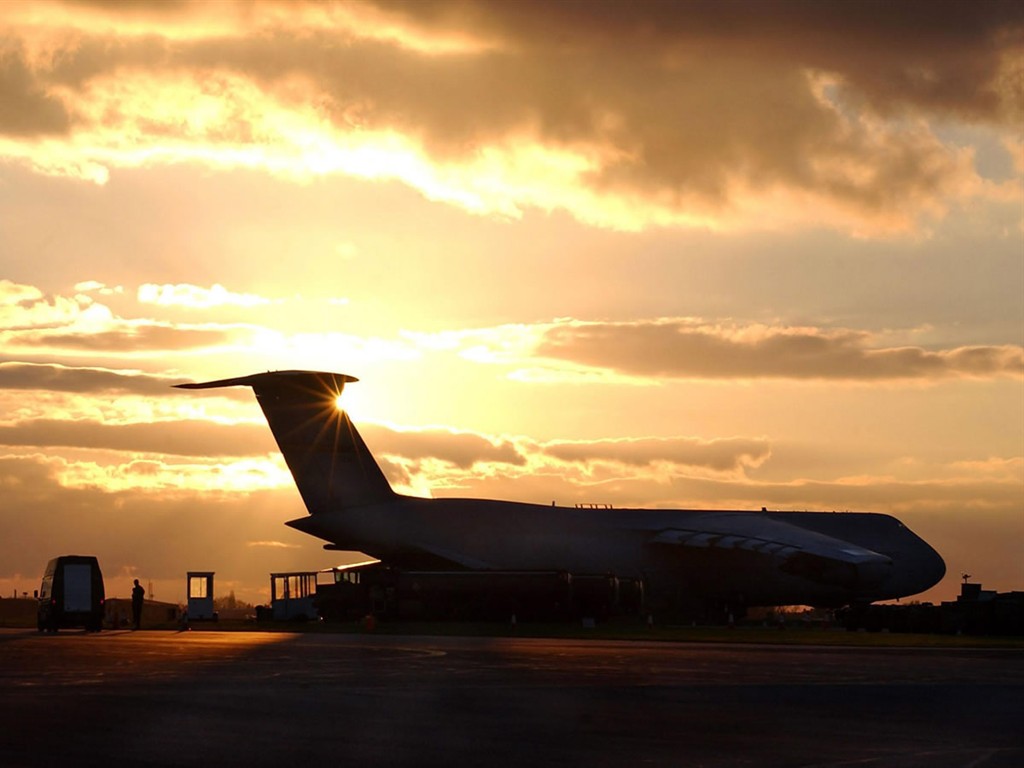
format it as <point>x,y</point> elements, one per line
<point>450,555</point>
<point>797,550</point>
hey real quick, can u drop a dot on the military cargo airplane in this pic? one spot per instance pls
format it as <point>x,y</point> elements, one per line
<point>732,558</point>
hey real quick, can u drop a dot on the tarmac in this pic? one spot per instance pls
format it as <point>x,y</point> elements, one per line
<point>155,698</point>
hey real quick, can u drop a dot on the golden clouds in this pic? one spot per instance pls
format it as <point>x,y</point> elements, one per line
<point>62,378</point>
<point>723,455</point>
<point>275,544</point>
<point>32,323</point>
<point>646,351</point>
<point>176,479</point>
<point>194,20</point>
<point>39,328</point>
<point>149,449</point>
<point>26,307</point>
<point>442,461</point>
<point>639,351</point>
<point>690,349</point>
<point>196,296</point>
<point>656,115</point>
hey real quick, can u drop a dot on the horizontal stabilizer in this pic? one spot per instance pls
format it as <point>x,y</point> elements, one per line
<point>335,381</point>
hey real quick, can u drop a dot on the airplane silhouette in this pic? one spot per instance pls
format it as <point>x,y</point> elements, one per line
<point>731,558</point>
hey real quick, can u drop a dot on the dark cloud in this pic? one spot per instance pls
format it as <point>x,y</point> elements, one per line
<point>25,108</point>
<point>461,449</point>
<point>135,7</point>
<point>680,350</point>
<point>134,338</point>
<point>60,378</point>
<point>724,455</point>
<point>943,56</point>
<point>697,94</point>
<point>208,439</point>
<point>688,98</point>
<point>178,438</point>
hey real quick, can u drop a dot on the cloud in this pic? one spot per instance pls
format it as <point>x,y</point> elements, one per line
<point>724,455</point>
<point>119,472</point>
<point>31,321</point>
<point>132,337</point>
<point>62,378</point>
<point>720,115</point>
<point>28,110</point>
<point>190,453</point>
<point>179,438</point>
<point>57,405</point>
<point>462,452</point>
<point>90,286</point>
<point>911,54</point>
<point>196,297</point>
<point>431,462</point>
<point>460,449</point>
<point>689,349</point>
<point>25,307</point>
<point>272,544</point>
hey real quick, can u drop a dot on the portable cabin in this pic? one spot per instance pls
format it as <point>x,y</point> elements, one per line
<point>293,596</point>
<point>200,596</point>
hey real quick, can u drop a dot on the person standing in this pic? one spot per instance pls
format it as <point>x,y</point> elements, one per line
<point>138,593</point>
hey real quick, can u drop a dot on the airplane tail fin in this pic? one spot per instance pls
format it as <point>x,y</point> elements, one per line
<point>331,464</point>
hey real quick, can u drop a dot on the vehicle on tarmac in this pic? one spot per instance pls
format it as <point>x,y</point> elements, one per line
<point>71,594</point>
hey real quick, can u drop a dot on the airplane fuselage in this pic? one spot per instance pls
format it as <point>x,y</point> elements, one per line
<point>707,555</point>
<point>749,558</point>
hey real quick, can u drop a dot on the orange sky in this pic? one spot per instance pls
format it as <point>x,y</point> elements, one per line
<point>712,255</point>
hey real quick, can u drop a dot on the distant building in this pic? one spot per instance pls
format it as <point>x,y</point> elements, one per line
<point>980,611</point>
<point>976,611</point>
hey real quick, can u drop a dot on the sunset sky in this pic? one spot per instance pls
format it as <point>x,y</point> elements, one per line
<point>716,255</point>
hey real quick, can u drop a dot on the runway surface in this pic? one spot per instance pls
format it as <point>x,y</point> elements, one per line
<point>270,699</point>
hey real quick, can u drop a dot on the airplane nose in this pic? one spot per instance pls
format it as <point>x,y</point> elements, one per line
<point>919,570</point>
<point>933,569</point>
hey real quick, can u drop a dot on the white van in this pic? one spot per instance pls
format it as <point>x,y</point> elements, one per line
<point>71,594</point>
